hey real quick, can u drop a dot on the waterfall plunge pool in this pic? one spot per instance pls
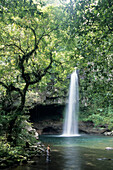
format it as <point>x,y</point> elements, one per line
<point>85,152</point>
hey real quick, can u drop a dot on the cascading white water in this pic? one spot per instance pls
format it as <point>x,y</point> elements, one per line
<point>71,117</point>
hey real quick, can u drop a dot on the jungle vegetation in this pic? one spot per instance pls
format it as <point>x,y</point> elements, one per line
<point>41,42</point>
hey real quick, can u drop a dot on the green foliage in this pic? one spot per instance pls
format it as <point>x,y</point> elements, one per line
<point>102,120</point>
<point>8,151</point>
<point>92,32</point>
<point>24,136</point>
<point>101,116</point>
<point>21,130</point>
<point>40,49</point>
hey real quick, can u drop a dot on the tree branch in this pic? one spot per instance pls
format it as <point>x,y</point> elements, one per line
<point>39,75</point>
<point>1,83</point>
<point>15,46</point>
<point>11,87</point>
<point>34,35</point>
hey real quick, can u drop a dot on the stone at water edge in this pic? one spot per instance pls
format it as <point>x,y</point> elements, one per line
<point>109,148</point>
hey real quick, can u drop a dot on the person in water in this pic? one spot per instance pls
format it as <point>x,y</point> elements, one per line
<point>48,153</point>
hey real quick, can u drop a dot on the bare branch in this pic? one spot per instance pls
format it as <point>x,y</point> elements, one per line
<point>15,46</point>
<point>49,66</point>
<point>34,35</point>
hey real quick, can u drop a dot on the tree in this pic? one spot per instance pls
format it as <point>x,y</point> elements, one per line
<point>28,52</point>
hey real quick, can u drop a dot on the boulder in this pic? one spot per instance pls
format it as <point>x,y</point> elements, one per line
<point>108,133</point>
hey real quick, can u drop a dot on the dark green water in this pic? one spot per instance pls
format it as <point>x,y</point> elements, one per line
<point>75,153</point>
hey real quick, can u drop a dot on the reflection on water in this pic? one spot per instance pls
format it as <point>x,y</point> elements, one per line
<point>71,158</point>
<point>75,153</point>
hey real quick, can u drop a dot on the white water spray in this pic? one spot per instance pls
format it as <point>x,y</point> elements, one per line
<point>71,117</point>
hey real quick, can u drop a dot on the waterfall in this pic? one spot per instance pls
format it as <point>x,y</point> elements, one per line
<point>71,116</point>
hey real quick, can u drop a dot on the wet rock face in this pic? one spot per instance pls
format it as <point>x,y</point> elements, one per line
<point>48,127</point>
<point>89,128</point>
<point>50,130</point>
<point>56,127</point>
